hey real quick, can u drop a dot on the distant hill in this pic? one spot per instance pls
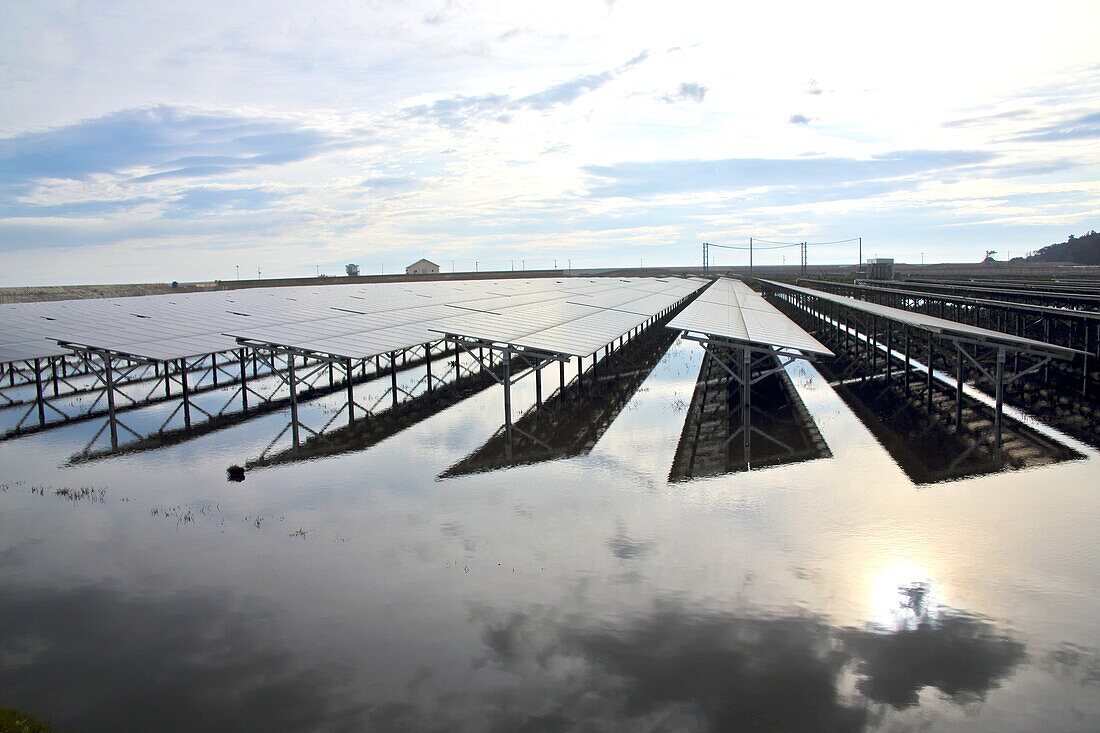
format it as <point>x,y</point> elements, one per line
<point>1079,250</point>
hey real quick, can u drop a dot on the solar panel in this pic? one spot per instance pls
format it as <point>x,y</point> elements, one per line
<point>937,325</point>
<point>731,310</point>
<point>354,320</point>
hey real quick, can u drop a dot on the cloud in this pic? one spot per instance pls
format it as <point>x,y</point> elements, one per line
<point>206,200</point>
<point>812,87</point>
<point>158,142</point>
<point>688,91</point>
<point>642,179</point>
<point>1085,127</point>
<point>981,120</point>
<point>390,183</point>
<point>799,119</point>
<point>459,111</point>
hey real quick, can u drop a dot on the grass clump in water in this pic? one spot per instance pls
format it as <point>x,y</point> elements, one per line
<point>15,721</point>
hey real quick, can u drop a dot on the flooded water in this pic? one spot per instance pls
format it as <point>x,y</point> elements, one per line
<point>361,591</point>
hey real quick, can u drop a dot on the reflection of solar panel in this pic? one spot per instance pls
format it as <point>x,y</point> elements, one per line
<point>732,311</point>
<point>942,326</point>
<point>353,321</point>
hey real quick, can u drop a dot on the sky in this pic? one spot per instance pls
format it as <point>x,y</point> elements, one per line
<point>150,141</point>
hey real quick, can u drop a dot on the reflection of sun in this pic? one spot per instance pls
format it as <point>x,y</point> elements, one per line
<point>902,595</point>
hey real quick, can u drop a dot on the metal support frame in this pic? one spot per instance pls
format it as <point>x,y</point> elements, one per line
<point>996,375</point>
<point>532,362</point>
<point>753,363</point>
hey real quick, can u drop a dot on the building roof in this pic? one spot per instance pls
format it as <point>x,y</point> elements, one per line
<point>423,261</point>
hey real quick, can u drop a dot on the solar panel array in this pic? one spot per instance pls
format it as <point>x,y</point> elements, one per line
<point>574,316</point>
<point>732,310</point>
<point>937,325</point>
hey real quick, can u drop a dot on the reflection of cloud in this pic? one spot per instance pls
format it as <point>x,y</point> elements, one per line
<point>625,548</point>
<point>177,662</point>
<point>677,668</point>
<point>960,655</point>
<point>1079,662</point>
<point>799,119</point>
<point>812,87</point>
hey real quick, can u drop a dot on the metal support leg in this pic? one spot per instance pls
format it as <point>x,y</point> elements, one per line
<point>746,402</point>
<point>393,376</point>
<point>508,395</point>
<point>293,401</point>
<point>958,388</point>
<point>244,381</point>
<point>351,391</point>
<point>214,368</point>
<point>1000,401</point>
<point>538,386</point>
<point>186,394</point>
<point>1085,366</point>
<point>561,374</point>
<point>906,362</point>
<point>109,374</point>
<point>39,397</point>
<point>428,364</point>
<point>889,348</point>
<point>873,343</point>
<point>928,382</point>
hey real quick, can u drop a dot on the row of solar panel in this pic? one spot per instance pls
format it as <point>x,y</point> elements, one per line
<point>573,316</point>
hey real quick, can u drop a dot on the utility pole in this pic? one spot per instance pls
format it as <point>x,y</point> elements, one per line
<point>859,264</point>
<point>475,265</point>
<point>452,266</point>
<point>750,258</point>
<point>513,265</point>
<point>257,273</point>
<point>317,270</point>
<point>238,272</point>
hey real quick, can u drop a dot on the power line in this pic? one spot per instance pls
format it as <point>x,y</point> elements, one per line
<point>809,244</point>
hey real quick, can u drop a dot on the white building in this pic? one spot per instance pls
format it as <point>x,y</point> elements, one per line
<point>880,268</point>
<point>422,267</point>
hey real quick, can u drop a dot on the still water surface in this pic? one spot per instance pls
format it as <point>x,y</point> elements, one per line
<point>362,592</point>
